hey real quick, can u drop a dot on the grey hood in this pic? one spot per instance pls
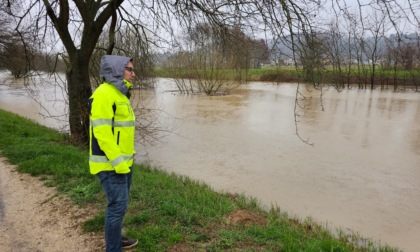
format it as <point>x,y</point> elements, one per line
<point>112,71</point>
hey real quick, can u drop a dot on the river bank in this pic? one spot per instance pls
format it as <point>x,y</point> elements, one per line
<point>167,212</point>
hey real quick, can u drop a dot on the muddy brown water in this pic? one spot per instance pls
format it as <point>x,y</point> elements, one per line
<point>361,175</point>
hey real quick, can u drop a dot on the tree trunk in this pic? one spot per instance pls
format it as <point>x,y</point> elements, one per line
<point>79,91</point>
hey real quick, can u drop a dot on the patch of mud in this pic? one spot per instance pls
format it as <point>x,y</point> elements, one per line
<point>245,218</point>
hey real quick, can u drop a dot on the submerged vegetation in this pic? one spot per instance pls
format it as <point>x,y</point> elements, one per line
<point>167,212</point>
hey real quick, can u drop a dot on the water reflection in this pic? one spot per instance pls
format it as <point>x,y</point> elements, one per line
<point>362,174</point>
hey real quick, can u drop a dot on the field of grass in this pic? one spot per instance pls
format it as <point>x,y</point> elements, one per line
<point>361,76</point>
<point>167,212</point>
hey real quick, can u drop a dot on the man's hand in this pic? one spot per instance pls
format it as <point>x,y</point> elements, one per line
<point>122,168</point>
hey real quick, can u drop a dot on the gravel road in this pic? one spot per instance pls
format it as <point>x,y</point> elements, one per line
<point>34,218</point>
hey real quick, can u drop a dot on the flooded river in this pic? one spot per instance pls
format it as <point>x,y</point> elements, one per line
<point>361,174</point>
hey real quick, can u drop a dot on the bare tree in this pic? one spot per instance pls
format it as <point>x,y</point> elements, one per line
<point>14,55</point>
<point>215,59</point>
<point>5,33</point>
<point>17,58</point>
<point>312,53</point>
<point>407,55</point>
<point>335,51</point>
<point>373,49</point>
<point>208,63</point>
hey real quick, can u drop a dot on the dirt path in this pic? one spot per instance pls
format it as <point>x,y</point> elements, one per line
<point>33,218</point>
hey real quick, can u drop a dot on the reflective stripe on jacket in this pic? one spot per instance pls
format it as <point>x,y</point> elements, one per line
<point>112,129</point>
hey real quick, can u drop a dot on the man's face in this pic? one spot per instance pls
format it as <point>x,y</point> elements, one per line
<point>129,74</point>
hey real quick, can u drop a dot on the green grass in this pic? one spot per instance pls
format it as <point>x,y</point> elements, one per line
<point>167,212</point>
<point>361,76</point>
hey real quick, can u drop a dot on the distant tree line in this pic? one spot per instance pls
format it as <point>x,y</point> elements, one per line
<point>20,56</point>
<point>354,49</point>
<point>375,60</point>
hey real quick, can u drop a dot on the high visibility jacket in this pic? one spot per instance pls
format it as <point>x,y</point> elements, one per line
<point>112,129</point>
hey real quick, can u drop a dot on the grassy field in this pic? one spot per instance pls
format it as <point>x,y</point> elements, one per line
<point>361,76</point>
<point>167,212</point>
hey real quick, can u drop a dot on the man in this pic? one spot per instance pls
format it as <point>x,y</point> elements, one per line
<point>112,127</point>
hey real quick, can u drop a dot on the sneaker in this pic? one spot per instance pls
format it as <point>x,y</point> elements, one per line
<point>128,243</point>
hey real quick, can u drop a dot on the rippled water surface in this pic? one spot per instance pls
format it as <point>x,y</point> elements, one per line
<point>363,173</point>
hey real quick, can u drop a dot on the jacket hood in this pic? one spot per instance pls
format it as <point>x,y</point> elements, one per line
<point>112,71</point>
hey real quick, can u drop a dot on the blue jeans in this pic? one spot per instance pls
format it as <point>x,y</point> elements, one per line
<point>116,188</point>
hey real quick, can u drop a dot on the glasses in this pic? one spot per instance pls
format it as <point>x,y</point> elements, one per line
<point>130,69</point>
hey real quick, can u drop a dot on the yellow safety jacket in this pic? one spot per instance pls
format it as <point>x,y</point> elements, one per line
<point>112,129</point>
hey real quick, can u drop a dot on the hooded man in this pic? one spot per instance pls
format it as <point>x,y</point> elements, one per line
<point>112,129</point>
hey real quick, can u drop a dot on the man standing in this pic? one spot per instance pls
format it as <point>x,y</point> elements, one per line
<point>112,128</point>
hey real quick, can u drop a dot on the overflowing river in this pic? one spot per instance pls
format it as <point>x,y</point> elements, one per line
<point>361,174</point>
